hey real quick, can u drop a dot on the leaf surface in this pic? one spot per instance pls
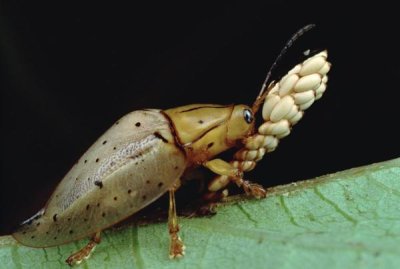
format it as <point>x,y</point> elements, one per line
<point>349,219</point>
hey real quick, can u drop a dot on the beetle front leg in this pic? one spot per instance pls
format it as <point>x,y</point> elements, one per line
<point>228,172</point>
<point>85,252</point>
<point>177,248</point>
<point>251,188</point>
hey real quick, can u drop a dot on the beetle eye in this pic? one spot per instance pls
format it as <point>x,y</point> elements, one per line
<point>248,115</point>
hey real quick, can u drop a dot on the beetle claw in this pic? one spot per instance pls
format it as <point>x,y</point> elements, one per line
<point>177,249</point>
<point>207,210</point>
<point>254,190</point>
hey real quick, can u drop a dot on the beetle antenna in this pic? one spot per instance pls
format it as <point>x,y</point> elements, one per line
<point>264,88</point>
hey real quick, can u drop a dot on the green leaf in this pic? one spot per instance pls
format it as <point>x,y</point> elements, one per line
<point>350,219</point>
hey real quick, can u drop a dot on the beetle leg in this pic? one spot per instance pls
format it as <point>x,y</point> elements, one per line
<point>177,248</point>
<point>251,188</point>
<point>223,168</point>
<point>228,172</point>
<point>85,252</point>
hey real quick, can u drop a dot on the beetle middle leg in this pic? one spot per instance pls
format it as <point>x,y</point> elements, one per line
<point>228,172</point>
<point>85,252</point>
<point>177,248</point>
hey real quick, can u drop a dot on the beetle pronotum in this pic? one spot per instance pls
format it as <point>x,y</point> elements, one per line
<point>144,154</point>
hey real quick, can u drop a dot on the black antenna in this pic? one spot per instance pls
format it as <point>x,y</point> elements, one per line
<point>261,96</point>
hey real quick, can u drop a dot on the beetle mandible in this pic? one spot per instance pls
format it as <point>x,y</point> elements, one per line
<point>144,154</point>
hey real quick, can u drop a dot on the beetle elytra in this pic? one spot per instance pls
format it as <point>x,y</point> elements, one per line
<point>144,154</point>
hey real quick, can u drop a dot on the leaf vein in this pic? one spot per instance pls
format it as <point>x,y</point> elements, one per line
<point>383,186</point>
<point>335,206</point>
<point>247,214</point>
<point>15,257</point>
<point>288,212</point>
<point>136,249</point>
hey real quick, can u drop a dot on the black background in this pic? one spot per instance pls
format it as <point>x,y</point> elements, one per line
<point>69,71</point>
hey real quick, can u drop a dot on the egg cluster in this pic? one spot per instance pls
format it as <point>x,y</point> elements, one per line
<point>283,107</point>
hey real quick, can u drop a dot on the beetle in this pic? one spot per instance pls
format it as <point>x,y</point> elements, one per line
<point>144,154</point>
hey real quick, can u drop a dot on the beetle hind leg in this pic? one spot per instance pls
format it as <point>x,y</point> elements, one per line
<point>85,252</point>
<point>176,249</point>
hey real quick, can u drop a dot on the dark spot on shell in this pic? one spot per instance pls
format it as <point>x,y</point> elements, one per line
<point>115,198</point>
<point>85,161</point>
<point>136,163</point>
<point>160,184</point>
<point>55,217</point>
<point>88,178</point>
<point>144,197</point>
<point>112,163</point>
<point>137,124</point>
<point>134,157</point>
<point>103,214</point>
<point>117,123</point>
<point>98,204</point>
<point>210,145</point>
<point>129,191</point>
<point>71,231</point>
<point>32,236</point>
<point>97,160</point>
<point>55,237</point>
<point>87,207</point>
<point>85,220</point>
<point>76,179</point>
<point>69,219</point>
<point>148,181</point>
<point>98,184</point>
<point>159,136</point>
<point>114,148</point>
<point>201,121</point>
<point>47,232</point>
<point>176,167</point>
<point>104,142</point>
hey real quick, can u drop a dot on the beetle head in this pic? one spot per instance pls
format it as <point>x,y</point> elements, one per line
<point>205,130</point>
<point>240,124</point>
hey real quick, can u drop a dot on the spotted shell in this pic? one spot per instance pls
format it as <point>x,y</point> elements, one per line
<point>128,167</point>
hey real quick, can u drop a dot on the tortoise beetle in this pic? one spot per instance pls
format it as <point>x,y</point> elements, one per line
<point>144,154</point>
